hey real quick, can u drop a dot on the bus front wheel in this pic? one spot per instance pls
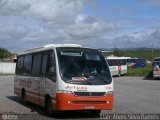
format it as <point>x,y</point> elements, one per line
<point>49,110</point>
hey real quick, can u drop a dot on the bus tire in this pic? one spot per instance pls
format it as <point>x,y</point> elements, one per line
<point>24,99</point>
<point>48,107</point>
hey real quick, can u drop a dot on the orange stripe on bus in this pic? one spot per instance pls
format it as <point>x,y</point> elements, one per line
<point>71,102</point>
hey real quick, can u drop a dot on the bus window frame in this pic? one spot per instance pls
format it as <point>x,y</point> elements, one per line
<point>51,75</point>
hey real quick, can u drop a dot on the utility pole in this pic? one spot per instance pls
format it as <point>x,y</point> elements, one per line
<point>152,52</point>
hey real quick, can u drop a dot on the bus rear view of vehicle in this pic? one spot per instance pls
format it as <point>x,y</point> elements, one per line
<point>117,65</point>
<point>71,77</point>
<point>156,68</point>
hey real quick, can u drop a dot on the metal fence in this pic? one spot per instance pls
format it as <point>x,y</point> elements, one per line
<point>7,68</point>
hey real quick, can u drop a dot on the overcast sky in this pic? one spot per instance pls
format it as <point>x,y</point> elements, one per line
<point>26,24</point>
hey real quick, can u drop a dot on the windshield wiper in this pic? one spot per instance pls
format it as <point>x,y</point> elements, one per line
<point>86,79</point>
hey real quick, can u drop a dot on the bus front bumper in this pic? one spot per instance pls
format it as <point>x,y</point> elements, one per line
<point>71,102</point>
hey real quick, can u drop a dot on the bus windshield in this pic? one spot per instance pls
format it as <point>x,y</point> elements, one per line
<point>116,62</point>
<point>83,66</point>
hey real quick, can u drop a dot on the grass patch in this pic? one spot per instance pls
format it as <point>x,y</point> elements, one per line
<point>144,72</point>
<point>2,74</point>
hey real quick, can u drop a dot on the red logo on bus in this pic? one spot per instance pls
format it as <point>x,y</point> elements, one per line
<point>119,68</point>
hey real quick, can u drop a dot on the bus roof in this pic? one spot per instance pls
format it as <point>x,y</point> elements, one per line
<point>114,57</point>
<point>50,46</point>
<point>156,58</point>
<point>55,46</point>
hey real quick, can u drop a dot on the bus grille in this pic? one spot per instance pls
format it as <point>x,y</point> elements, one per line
<point>89,102</point>
<point>89,93</point>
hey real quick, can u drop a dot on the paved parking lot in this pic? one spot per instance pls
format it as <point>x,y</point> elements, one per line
<point>132,95</point>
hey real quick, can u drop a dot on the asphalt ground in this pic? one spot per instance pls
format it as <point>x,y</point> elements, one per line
<point>132,95</point>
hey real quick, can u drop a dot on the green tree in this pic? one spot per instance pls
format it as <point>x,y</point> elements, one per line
<point>4,53</point>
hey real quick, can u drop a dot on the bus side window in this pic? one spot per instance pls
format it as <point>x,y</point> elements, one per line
<point>44,64</point>
<point>36,64</point>
<point>48,65</point>
<point>19,66</point>
<point>27,64</point>
<point>51,64</point>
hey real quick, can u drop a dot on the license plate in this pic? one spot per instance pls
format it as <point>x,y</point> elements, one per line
<point>89,107</point>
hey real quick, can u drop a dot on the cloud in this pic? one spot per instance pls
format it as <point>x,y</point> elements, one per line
<point>13,7</point>
<point>156,34</point>
<point>88,27</point>
<point>30,23</point>
<point>44,9</point>
<point>137,38</point>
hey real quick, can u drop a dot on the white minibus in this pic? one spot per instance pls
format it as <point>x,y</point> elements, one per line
<point>62,77</point>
